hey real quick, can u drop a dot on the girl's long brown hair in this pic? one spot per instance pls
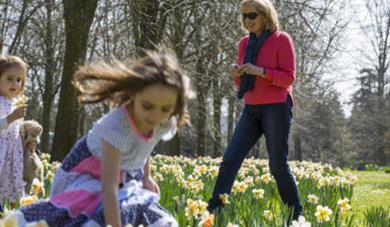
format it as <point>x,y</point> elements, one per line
<point>117,82</point>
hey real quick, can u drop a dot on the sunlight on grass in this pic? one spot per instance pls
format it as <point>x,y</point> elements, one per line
<point>371,190</point>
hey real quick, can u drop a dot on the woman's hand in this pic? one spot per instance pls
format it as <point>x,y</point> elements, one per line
<point>251,69</point>
<point>150,184</point>
<point>234,70</point>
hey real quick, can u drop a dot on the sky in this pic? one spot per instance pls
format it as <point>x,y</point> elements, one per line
<point>349,60</point>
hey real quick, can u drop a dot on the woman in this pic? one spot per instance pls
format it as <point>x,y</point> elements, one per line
<point>264,74</point>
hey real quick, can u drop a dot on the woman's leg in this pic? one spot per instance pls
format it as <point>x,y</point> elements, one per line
<point>246,133</point>
<point>276,121</point>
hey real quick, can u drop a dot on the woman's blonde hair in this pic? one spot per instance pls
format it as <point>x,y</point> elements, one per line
<point>117,82</point>
<point>8,62</point>
<point>265,8</point>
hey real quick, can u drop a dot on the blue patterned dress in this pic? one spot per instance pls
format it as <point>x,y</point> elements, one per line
<point>76,193</point>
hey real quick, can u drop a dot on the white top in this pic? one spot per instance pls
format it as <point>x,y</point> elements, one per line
<point>118,129</point>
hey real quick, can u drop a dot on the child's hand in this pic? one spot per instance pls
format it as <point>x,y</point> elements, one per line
<point>151,185</point>
<point>18,113</point>
<point>32,147</point>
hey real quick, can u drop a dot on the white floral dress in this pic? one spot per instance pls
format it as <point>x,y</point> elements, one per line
<point>11,156</point>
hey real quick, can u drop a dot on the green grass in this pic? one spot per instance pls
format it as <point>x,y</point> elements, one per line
<point>371,190</point>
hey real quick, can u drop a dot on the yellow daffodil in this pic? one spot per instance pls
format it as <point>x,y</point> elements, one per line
<point>266,178</point>
<point>21,101</point>
<point>27,200</point>
<point>312,199</point>
<point>9,221</point>
<point>207,220</point>
<point>239,187</point>
<point>323,214</point>
<point>268,215</point>
<point>224,198</point>
<point>258,193</point>
<point>37,187</point>
<point>195,208</point>
<point>343,205</point>
<point>301,222</point>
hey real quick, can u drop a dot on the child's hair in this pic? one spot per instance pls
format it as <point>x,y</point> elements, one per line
<point>8,62</point>
<point>118,82</point>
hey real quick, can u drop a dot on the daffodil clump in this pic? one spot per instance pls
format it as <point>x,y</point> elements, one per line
<point>195,208</point>
<point>187,184</point>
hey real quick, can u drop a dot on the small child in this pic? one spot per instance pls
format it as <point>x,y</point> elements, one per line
<point>105,179</point>
<point>30,132</point>
<point>12,79</point>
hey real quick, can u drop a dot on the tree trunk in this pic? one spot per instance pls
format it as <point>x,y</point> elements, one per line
<point>217,103</point>
<point>174,145</point>
<point>149,21</point>
<point>48,95</point>
<point>297,147</point>
<point>78,17</point>
<point>381,128</point>
<point>201,124</point>
<point>231,107</point>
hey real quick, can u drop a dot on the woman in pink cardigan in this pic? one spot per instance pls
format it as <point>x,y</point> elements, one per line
<point>264,73</point>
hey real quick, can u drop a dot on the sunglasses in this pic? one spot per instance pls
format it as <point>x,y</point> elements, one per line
<point>250,16</point>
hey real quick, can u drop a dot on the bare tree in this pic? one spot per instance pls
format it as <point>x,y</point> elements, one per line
<point>4,22</point>
<point>13,20</point>
<point>369,121</point>
<point>149,20</point>
<point>45,32</point>
<point>78,17</point>
<point>316,28</point>
<point>24,16</point>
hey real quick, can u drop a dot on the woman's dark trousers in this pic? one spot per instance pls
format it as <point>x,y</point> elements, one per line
<point>272,120</point>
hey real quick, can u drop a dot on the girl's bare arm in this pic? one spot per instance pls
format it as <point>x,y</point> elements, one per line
<point>110,178</point>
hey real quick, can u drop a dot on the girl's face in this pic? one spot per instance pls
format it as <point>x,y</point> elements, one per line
<point>11,83</point>
<point>253,20</point>
<point>152,106</point>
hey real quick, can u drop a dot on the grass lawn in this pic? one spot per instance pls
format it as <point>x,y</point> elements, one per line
<point>371,190</point>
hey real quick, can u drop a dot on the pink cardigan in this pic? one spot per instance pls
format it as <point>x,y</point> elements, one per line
<point>278,58</point>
